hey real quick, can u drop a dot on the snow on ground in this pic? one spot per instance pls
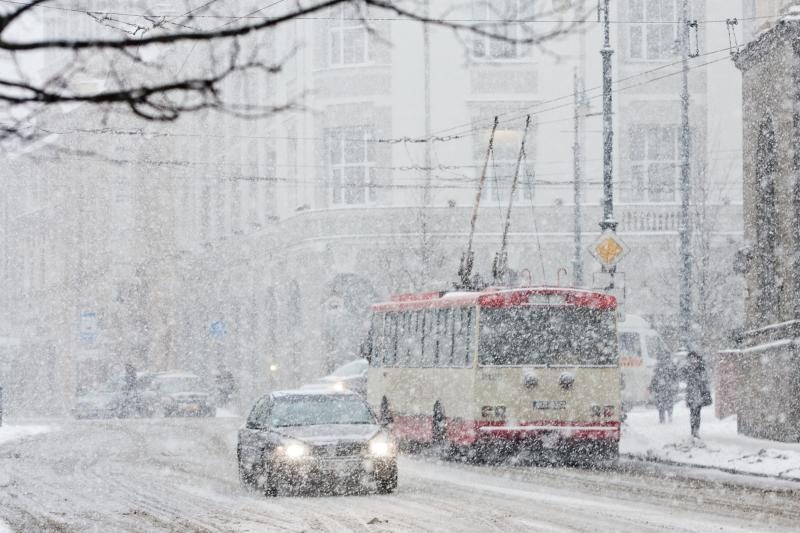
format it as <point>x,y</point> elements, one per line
<point>9,433</point>
<point>180,474</point>
<point>720,446</point>
<point>225,412</point>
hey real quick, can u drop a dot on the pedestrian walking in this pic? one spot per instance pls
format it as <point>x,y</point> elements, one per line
<point>130,392</point>
<point>226,385</point>
<point>698,393</point>
<point>663,386</point>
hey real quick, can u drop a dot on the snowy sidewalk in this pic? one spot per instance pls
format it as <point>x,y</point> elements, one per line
<point>719,446</point>
<point>9,433</point>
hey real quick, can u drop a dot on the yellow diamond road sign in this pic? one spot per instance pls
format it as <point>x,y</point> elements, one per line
<point>608,249</point>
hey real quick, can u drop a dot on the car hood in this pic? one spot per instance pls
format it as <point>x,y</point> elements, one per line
<point>96,399</point>
<point>334,379</point>
<point>327,434</point>
<point>188,396</point>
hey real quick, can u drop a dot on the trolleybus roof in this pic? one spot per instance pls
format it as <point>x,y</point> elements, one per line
<point>495,297</point>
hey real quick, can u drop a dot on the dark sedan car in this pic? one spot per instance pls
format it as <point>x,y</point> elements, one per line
<point>315,439</point>
<point>181,394</point>
<point>104,401</point>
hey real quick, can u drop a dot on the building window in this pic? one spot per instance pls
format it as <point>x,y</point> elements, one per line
<point>766,222</point>
<point>503,166</point>
<point>351,160</point>
<point>654,164</point>
<point>348,37</point>
<point>509,15</point>
<point>651,34</point>
<point>506,146</point>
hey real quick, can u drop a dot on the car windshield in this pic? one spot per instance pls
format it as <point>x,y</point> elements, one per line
<point>111,386</point>
<point>630,345</point>
<point>547,335</point>
<point>179,384</point>
<point>320,410</point>
<point>354,368</point>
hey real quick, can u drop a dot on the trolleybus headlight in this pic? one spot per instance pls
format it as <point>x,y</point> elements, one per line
<point>566,380</point>
<point>293,450</point>
<point>380,446</point>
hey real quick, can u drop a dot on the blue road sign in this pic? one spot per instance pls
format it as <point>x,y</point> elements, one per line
<point>216,329</point>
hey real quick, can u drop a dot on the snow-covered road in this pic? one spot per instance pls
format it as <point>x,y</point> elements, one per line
<point>180,475</point>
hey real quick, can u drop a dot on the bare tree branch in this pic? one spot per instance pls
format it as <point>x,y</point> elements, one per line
<point>129,74</point>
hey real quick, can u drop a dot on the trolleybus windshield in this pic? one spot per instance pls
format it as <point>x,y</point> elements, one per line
<point>546,335</point>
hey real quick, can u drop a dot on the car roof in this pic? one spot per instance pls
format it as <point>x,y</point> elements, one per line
<point>313,392</point>
<point>175,374</point>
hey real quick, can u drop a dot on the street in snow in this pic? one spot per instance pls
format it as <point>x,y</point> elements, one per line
<point>179,475</point>
<point>399,265</point>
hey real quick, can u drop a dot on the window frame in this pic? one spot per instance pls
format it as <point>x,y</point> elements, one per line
<point>641,190</point>
<point>336,158</point>
<point>483,10</point>
<point>644,24</point>
<point>339,25</point>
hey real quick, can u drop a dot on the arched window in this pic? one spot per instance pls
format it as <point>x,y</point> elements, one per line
<point>766,220</point>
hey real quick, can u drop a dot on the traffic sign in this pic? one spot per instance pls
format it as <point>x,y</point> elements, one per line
<point>88,326</point>
<point>608,249</point>
<point>216,329</point>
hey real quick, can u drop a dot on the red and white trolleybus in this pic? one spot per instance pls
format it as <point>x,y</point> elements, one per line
<point>498,366</point>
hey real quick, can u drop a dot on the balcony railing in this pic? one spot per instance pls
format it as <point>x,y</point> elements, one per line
<point>649,218</point>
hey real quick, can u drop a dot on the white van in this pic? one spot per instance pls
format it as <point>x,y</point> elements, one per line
<point>639,348</point>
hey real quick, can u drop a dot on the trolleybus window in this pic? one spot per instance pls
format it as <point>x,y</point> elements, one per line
<point>445,337</point>
<point>423,338</point>
<point>545,335</point>
<point>630,345</point>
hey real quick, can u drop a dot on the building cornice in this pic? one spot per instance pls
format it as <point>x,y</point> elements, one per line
<point>784,31</point>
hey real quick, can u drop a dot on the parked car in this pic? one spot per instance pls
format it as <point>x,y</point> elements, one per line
<point>351,376</point>
<point>104,401</point>
<point>313,438</point>
<point>181,394</point>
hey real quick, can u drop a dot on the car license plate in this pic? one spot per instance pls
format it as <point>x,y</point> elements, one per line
<point>549,404</point>
<point>338,466</point>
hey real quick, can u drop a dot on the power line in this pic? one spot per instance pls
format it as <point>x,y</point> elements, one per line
<point>460,131</point>
<point>436,138</point>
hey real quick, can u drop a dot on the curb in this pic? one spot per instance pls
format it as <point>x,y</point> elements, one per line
<point>669,462</point>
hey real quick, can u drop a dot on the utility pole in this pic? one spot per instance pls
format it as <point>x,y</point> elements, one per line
<point>685,230</point>
<point>608,222</point>
<point>577,154</point>
<point>426,194</point>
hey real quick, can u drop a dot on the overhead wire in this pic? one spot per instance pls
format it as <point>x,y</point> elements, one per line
<point>467,132</point>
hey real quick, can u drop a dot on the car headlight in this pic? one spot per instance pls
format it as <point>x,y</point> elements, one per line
<point>339,386</point>
<point>381,447</point>
<point>293,450</point>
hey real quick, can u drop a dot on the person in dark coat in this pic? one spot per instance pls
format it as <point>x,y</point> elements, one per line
<point>698,393</point>
<point>226,385</point>
<point>663,386</point>
<point>130,392</point>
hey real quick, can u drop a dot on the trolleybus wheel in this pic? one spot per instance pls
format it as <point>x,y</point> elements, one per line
<point>385,417</point>
<point>439,424</point>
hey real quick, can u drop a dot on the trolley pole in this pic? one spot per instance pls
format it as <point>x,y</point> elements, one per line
<point>608,222</point>
<point>685,229</point>
<point>577,154</point>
